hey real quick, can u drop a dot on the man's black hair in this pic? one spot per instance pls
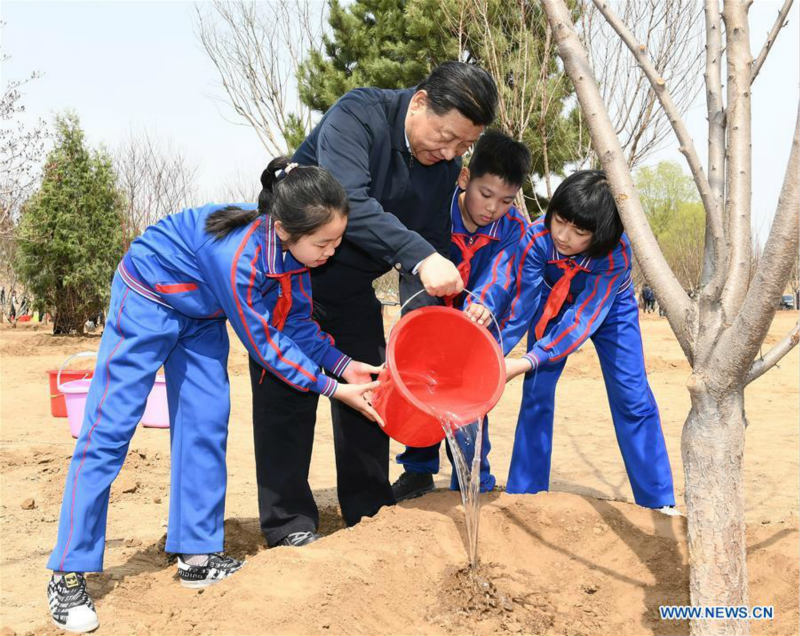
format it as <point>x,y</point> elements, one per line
<point>466,87</point>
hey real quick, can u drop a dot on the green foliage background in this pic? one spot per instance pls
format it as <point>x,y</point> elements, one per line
<point>70,232</point>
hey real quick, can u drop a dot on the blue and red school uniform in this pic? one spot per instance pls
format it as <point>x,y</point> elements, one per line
<point>598,303</point>
<point>170,298</point>
<point>486,259</point>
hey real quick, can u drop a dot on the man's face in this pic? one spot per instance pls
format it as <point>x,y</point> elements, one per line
<point>435,138</point>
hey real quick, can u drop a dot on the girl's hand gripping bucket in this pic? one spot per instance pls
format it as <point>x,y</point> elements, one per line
<point>440,366</point>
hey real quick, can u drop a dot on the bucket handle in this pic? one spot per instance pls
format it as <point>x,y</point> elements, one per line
<point>474,295</point>
<point>82,354</point>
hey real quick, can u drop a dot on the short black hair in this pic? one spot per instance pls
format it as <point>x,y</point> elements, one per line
<point>466,87</point>
<point>502,156</point>
<point>585,200</point>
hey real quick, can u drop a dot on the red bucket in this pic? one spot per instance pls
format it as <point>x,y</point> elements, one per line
<point>439,365</point>
<point>58,408</point>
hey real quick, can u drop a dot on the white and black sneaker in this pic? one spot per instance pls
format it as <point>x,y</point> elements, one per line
<point>70,605</point>
<point>217,567</point>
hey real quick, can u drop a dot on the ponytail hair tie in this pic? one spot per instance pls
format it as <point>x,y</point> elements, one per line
<point>280,174</point>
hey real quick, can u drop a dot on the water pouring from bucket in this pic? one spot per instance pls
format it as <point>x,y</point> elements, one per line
<point>443,373</point>
<point>439,365</point>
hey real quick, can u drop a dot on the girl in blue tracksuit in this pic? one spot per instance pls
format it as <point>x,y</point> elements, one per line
<point>486,230</point>
<point>170,299</point>
<point>574,283</point>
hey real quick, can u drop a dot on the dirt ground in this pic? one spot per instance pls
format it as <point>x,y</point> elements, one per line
<point>581,559</point>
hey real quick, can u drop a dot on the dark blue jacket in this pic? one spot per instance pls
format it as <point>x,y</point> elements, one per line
<point>361,141</point>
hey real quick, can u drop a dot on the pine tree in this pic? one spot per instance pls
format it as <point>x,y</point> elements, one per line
<point>396,43</point>
<point>70,231</point>
<point>372,43</point>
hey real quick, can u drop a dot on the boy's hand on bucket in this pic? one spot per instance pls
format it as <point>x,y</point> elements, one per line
<point>360,372</point>
<point>478,313</point>
<point>439,276</point>
<point>359,397</point>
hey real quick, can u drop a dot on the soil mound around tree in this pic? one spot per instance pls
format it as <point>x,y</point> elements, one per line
<point>549,563</point>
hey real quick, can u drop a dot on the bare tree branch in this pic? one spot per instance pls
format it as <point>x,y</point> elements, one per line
<point>671,295</point>
<point>780,22</point>
<point>156,181</point>
<point>21,152</point>
<point>256,48</point>
<point>669,31</point>
<point>714,255</point>
<point>738,176</point>
<point>687,148</point>
<point>774,355</point>
<point>739,343</point>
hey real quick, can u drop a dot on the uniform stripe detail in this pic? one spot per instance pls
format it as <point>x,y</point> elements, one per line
<point>330,387</point>
<point>576,320</point>
<point>99,415</point>
<point>176,288</point>
<point>264,323</point>
<point>521,263</point>
<point>137,286</point>
<point>583,335</point>
<point>341,365</point>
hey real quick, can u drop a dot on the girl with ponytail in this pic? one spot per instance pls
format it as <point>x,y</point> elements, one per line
<point>170,299</point>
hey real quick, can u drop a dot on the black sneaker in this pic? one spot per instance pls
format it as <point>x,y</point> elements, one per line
<point>218,567</point>
<point>410,485</point>
<point>297,539</point>
<point>70,606</point>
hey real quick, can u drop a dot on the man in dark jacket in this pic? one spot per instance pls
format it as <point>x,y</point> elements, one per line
<point>397,154</point>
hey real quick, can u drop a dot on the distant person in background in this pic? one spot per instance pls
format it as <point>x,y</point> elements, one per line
<point>648,299</point>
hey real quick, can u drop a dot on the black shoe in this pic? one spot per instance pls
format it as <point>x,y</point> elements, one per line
<point>410,485</point>
<point>218,567</point>
<point>297,539</point>
<point>70,605</point>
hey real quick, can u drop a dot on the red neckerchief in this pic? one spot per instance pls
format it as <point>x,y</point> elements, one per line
<point>558,293</point>
<point>467,252</point>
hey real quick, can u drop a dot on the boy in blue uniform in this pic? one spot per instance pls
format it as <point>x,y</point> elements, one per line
<point>485,232</point>
<point>170,298</point>
<point>574,283</point>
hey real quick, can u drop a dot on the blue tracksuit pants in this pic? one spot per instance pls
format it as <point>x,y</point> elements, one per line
<point>139,337</point>
<point>618,342</point>
<point>426,460</point>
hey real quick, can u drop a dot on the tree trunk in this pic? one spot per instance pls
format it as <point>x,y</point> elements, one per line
<point>712,448</point>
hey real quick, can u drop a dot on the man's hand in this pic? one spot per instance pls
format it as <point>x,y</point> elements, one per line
<point>439,276</point>
<point>359,397</point>
<point>517,366</point>
<point>478,313</point>
<point>360,372</point>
